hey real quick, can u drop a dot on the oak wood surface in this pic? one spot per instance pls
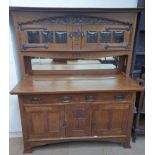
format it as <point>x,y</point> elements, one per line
<point>58,84</point>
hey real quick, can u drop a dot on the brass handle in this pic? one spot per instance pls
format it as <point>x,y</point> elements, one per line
<point>119,97</point>
<point>90,98</point>
<point>66,99</point>
<point>35,100</point>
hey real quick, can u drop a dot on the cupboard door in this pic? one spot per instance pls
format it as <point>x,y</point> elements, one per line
<point>109,119</point>
<point>78,120</point>
<point>47,38</point>
<point>105,37</point>
<point>45,121</point>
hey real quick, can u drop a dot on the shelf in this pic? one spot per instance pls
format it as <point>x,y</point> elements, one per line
<point>75,54</point>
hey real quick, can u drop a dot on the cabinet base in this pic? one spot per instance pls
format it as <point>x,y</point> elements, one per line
<point>32,143</point>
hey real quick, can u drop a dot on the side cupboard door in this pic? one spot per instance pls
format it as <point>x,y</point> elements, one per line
<point>46,37</point>
<point>105,37</point>
<point>45,121</point>
<point>109,119</point>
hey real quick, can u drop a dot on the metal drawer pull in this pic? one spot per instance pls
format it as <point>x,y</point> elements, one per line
<point>90,98</point>
<point>119,97</point>
<point>66,99</point>
<point>35,100</point>
<point>25,46</point>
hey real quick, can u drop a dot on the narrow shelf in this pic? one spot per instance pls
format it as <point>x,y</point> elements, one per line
<point>75,54</point>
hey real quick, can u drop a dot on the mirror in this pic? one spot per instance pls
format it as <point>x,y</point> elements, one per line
<point>73,64</point>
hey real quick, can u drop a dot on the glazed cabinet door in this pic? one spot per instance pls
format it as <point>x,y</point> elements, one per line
<point>45,121</point>
<point>78,120</point>
<point>105,37</point>
<point>46,37</point>
<point>109,119</point>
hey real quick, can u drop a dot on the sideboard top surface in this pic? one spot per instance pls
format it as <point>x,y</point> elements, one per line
<point>73,84</point>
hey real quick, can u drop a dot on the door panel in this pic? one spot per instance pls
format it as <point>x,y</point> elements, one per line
<point>109,119</point>
<point>51,38</point>
<point>119,120</point>
<point>78,120</point>
<point>45,122</point>
<point>105,37</point>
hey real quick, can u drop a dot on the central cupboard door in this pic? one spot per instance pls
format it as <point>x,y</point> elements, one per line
<point>78,120</point>
<point>109,119</point>
<point>45,121</point>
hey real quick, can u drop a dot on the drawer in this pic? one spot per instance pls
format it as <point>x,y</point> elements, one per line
<point>51,99</point>
<point>103,97</point>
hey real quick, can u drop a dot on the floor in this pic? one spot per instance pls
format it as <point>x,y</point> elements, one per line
<point>80,148</point>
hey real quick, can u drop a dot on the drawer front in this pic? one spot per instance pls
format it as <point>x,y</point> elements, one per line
<point>103,97</point>
<point>78,98</point>
<point>51,99</point>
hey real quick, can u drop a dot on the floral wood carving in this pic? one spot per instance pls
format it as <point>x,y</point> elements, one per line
<point>77,19</point>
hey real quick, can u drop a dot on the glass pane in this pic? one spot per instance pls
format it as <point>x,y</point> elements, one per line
<point>47,37</point>
<point>92,37</point>
<point>105,37</point>
<point>33,37</point>
<point>118,37</point>
<point>61,37</point>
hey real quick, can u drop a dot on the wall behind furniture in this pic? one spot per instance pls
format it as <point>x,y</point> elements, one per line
<point>14,77</point>
<point>76,3</point>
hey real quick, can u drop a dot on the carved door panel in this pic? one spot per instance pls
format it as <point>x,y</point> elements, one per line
<point>47,37</point>
<point>45,121</point>
<point>109,119</point>
<point>78,120</point>
<point>105,37</point>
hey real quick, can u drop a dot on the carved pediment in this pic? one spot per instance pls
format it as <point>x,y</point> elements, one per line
<point>76,19</point>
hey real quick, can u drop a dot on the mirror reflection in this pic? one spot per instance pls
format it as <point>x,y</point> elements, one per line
<point>73,64</point>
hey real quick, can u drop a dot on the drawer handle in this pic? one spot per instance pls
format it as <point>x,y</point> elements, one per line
<point>66,99</point>
<point>35,100</point>
<point>119,97</point>
<point>90,98</point>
